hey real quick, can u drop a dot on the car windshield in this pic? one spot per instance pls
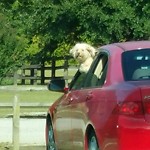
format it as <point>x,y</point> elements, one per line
<point>136,65</point>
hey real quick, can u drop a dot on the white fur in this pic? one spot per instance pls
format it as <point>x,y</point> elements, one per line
<point>84,54</point>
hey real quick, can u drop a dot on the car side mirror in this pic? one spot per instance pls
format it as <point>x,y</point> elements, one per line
<point>57,84</point>
<point>66,89</point>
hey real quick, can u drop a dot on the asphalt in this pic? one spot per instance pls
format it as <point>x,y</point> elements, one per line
<point>31,131</point>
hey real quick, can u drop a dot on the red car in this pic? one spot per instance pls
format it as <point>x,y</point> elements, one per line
<point>107,108</point>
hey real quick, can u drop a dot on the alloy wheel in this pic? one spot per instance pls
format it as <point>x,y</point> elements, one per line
<point>92,143</point>
<point>51,141</point>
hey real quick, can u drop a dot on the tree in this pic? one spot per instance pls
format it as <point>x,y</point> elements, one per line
<point>12,47</point>
<point>59,24</point>
<point>53,27</point>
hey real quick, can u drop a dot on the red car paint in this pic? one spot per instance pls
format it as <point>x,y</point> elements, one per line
<point>118,110</point>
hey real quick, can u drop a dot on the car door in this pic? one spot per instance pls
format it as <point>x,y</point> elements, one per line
<point>63,114</point>
<point>62,123</point>
<point>78,121</point>
<point>86,98</point>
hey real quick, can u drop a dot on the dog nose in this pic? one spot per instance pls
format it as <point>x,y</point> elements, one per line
<point>78,53</point>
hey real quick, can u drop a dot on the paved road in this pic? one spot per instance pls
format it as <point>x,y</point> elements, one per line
<point>32,131</point>
<point>24,87</point>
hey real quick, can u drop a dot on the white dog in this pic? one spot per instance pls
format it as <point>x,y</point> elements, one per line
<point>84,54</point>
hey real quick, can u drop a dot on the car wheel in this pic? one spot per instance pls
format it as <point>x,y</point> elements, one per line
<point>51,141</point>
<point>92,142</point>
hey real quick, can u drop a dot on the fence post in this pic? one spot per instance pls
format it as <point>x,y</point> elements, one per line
<point>23,75</point>
<point>31,75</point>
<point>16,119</point>
<point>42,73</point>
<point>53,68</point>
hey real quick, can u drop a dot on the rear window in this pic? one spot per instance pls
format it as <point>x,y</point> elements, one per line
<point>136,65</point>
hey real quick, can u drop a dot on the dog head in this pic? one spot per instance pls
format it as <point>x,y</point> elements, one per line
<point>82,51</point>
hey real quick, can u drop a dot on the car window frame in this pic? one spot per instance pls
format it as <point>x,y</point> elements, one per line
<point>94,66</point>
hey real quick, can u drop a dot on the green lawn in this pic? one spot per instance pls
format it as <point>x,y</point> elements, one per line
<point>43,96</point>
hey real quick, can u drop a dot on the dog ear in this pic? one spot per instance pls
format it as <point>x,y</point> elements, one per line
<point>91,50</point>
<point>72,52</point>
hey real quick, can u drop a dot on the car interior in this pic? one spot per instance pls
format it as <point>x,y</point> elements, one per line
<point>136,66</point>
<point>143,70</point>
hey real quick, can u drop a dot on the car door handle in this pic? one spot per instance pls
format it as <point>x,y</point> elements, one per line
<point>89,96</point>
<point>70,99</point>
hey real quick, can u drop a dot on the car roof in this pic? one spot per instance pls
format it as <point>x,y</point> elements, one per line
<point>127,46</point>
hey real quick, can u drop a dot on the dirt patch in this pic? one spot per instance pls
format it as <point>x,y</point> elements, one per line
<point>8,146</point>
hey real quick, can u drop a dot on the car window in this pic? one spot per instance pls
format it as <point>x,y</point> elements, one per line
<point>97,74</point>
<point>136,65</point>
<point>78,80</point>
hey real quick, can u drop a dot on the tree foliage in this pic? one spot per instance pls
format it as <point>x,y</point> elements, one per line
<point>12,47</point>
<point>41,28</point>
<point>61,23</point>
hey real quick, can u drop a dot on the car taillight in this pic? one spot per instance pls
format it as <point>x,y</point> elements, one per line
<point>130,108</point>
<point>147,107</point>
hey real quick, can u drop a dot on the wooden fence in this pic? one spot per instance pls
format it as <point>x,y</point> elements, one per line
<point>33,71</point>
<point>16,117</point>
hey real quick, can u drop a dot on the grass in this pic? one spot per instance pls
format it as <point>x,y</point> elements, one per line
<point>32,96</point>
<point>42,96</point>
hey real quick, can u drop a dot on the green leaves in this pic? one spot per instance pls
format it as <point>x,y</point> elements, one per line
<point>11,48</point>
<point>37,29</point>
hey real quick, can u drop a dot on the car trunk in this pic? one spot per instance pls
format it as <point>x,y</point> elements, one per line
<point>140,99</point>
<point>145,92</point>
<point>144,87</point>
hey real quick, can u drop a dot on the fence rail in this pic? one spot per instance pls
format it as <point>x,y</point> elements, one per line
<point>25,105</point>
<point>36,72</point>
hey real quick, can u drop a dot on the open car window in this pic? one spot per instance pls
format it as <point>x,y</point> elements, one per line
<point>97,74</point>
<point>77,81</point>
<point>94,77</point>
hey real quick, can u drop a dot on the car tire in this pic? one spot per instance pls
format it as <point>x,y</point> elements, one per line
<point>51,141</point>
<point>92,142</point>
